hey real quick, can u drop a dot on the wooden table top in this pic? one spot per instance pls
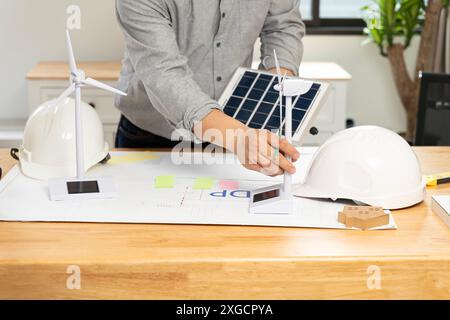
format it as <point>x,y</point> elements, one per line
<point>232,261</point>
<point>59,70</point>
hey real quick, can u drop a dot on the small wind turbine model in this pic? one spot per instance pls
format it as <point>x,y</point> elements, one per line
<point>278,199</point>
<point>79,187</point>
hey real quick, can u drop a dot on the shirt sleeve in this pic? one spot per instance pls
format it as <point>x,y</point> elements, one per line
<point>164,72</point>
<point>283,31</point>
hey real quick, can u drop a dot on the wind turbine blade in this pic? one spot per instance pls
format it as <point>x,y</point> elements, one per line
<point>281,102</point>
<point>100,85</point>
<point>277,65</point>
<point>72,63</point>
<point>64,95</point>
<point>284,77</point>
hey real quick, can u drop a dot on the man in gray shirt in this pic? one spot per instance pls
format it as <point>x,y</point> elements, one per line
<point>180,55</point>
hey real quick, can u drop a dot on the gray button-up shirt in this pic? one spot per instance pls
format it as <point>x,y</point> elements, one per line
<point>180,54</point>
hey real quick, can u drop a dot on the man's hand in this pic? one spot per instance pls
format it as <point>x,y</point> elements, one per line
<point>258,150</point>
<point>264,151</point>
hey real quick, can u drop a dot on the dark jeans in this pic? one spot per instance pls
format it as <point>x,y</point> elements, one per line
<point>131,136</point>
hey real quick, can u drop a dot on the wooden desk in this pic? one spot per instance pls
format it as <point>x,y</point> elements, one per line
<point>209,262</point>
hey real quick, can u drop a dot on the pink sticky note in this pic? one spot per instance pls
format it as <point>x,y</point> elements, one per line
<point>228,185</point>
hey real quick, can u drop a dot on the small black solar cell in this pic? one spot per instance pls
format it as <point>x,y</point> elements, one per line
<point>254,125</point>
<point>249,105</point>
<point>261,84</point>
<point>234,102</point>
<point>246,82</point>
<point>265,108</point>
<point>276,110</point>
<point>243,115</point>
<point>303,103</point>
<point>298,114</point>
<point>259,118</point>
<point>250,74</point>
<point>240,91</point>
<point>295,125</point>
<point>266,76</point>
<point>271,97</point>
<point>256,94</point>
<point>310,94</point>
<point>230,111</point>
<point>273,123</point>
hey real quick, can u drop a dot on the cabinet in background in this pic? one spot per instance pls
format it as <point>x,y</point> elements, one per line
<point>49,79</point>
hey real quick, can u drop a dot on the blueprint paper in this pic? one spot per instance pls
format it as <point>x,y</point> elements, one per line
<point>140,201</point>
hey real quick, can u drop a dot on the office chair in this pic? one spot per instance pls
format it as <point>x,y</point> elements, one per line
<point>433,119</point>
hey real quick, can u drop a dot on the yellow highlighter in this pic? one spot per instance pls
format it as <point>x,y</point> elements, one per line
<point>439,178</point>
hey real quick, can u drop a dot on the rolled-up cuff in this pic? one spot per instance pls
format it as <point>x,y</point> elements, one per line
<point>193,116</point>
<point>268,62</point>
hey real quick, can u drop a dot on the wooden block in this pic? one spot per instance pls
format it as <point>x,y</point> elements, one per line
<point>363,217</point>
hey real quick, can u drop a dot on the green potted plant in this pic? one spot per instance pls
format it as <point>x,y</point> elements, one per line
<point>391,25</point>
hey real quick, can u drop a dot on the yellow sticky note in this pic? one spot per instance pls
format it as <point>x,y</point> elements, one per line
<point>133,157</point>
<point>203,184</point>
<point>165,182</point>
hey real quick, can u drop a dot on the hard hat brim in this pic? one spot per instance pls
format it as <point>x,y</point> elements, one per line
<point>389,201</point>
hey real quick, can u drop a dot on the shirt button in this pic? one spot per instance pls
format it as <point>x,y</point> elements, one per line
<point>218,44</point>
<point>219,79</point>
<point>223,14</point>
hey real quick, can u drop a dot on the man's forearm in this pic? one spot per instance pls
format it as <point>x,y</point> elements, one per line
<point>284,71</point>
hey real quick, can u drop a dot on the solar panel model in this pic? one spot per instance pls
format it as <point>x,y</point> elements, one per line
<point>251,98</point>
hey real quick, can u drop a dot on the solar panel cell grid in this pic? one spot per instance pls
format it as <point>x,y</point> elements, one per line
<point>256,102</point>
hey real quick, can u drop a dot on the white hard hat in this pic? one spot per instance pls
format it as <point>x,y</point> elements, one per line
<point>49,147</point>
<point>366,164</point>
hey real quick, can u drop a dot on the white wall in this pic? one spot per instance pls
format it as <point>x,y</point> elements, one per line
<point>33,31</point>
<point>372,96</point>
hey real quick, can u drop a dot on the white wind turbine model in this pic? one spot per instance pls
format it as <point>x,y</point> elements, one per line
<point>278,199</point>
<point>68,188</point>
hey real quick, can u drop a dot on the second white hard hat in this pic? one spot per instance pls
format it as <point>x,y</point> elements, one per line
<point>366,164</point>
<point>48,149</point>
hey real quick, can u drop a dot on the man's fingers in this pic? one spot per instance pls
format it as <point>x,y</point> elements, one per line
<point>253,167</point>
<point>269,167</point>
<point>265,152</point>
<point>286,165</point>
<point>289,150</point>
<point>284,146</point>
<point>264,162</point>
<point>272,171</point>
